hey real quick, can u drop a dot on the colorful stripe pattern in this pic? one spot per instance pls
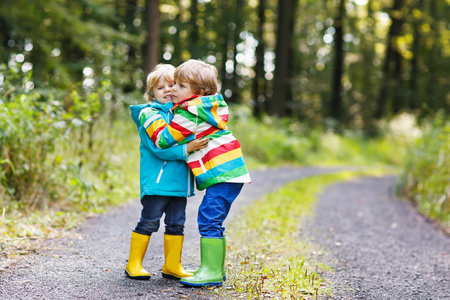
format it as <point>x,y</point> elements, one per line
<point>222,160</point>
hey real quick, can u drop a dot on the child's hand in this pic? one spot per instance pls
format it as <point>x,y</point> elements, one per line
<point>197,144</point>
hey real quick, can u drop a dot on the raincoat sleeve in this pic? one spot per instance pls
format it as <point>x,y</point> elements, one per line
<point>163,135</point>
<point>177,152</point>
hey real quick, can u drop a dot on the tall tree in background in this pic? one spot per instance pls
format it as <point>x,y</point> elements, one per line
<point>369,54</point>
<point>228,36</point>
<point>336,91</point>
<point>151,45</point>
<point>392,62</point>
<point>130,10</point>
<point>239,14</point>
<point>176,55</point>
<point>433,102</point>
<point>282,92</point>
<point>194,35</point>
<point>63,42</point>
<point>414,74</point>
<point>259,82</point>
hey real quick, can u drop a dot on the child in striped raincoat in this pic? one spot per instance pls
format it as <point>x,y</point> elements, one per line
<point>219,168</point>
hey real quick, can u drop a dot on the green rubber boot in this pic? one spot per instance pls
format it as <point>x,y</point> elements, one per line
<point>224,275</point>
<point>212,259</point>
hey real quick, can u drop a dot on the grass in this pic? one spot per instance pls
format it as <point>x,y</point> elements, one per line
<point>426,176</point>
<point>271,142</point>
<point>266,257</point>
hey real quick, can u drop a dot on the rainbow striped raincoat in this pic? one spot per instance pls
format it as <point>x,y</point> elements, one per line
<point>198,117</point>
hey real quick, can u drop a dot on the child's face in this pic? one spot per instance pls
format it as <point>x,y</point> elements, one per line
<point>181,90</point>
<point>163,91</point>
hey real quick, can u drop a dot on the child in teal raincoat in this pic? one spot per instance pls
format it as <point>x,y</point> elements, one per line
<point>165,183</point>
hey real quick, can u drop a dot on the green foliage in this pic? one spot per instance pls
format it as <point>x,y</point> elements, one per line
<point>272,141</point>
<point>60,156</point>
<point>267,257</point>
<point>426,177</point>
<point>66,42</point>
<point>59,38</point>
<point>30,129</point>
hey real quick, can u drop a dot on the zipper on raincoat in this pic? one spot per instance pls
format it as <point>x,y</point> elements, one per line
<point>161,171</point>
<point>189,183</point>
<point>165,162</point>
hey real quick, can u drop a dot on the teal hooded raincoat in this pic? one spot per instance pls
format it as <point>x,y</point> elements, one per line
<point>163,172</point>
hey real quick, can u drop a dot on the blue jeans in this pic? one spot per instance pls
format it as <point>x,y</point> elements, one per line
<point>153,208</point>
<point>215,207</point>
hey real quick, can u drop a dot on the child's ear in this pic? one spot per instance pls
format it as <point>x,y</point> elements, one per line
<point>201,93</point>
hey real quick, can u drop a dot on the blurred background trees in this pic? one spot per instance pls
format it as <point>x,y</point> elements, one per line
<point>343,63</point>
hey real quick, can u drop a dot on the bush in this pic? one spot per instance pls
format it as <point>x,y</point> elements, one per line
<point>63,155</point>
<point>34,127</point>
<point>273,141</point>
<point>426,179</point>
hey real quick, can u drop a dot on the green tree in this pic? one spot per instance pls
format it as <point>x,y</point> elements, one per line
<point>151,46</point>
<point>59,38</point>
<point>279,104</point>
<point>259,82</point>
<point>336,109</point>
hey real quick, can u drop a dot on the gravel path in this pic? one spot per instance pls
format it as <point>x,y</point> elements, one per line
<point>380,247</point>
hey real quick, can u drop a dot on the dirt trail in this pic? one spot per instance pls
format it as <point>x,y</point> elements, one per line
<point>380,247</point>
<point>371,245</point>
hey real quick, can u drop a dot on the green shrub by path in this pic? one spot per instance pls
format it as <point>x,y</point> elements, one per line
<point>265,256</point>
<point>108,176</point>
<point>426,177</point>
<point>36,127</point>
<point>62,158</point>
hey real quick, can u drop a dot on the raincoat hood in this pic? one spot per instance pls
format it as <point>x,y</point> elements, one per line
<point>137,109</point>
<point>212,109</point>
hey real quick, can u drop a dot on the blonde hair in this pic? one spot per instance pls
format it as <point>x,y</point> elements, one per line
<point>200,75</point>
<point>162,72</point>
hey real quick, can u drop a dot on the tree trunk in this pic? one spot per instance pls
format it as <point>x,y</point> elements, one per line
<point>152,38</point>
<point>227,45</point>
<point>390,66</point>
<point>413,102</point>
<point>130,9</point>
<point>176,55</point>
<point>194,35</point>
<point>282,93</point>
<point>432,63</point>
<point>336,91</point>
<point>259,82</point>
<point>129,19</point>
<point>239,22</point>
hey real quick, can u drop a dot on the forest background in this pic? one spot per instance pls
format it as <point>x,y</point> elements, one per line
<point>344,82</point>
